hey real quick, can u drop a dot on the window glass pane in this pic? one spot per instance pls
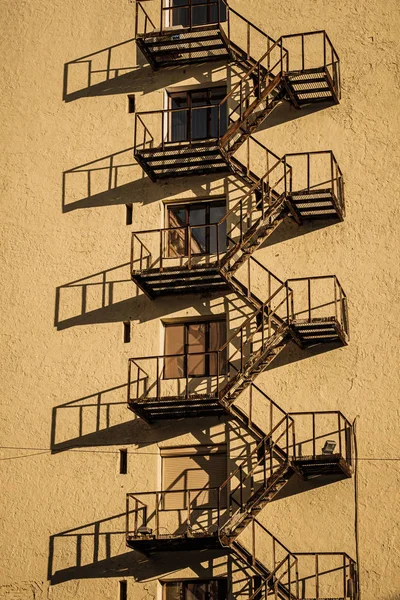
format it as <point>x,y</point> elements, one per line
<point>178,119</point>
<point>180,16</point>
<point>177,242</point>
<point>213,11</point>
<point>217,339</point>
<point>218,116</point>
<point>196,343</point>
<point>217,211</point>
<point>196,591</point>
<point>174,344</point>
<point>198,216</point>
<point>173,591</point>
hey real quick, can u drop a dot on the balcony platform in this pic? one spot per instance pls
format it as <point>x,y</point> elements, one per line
<point>172,281</point>
<point>175,407</point>
<point>323,464</point>
<point>179,46</point>
<point>319,331</point>
<point>182,159</point>
<point>315,204</point>
<point>310,86</point>
<point>179,543</point>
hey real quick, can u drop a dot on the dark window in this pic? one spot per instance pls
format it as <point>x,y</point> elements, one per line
<point>127,332</point>
<point>129,214</point>
<point>214,589</point>
<point>203,235</point>
<point>197,115</point>
<point>123,590</point>
<point>188,13</point>
<point>131,103</point>
<point>123,461</point>
<point>257,581</point>
<point>190,343</point>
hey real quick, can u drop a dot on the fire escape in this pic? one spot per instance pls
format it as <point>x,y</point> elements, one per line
<point>298,69</point>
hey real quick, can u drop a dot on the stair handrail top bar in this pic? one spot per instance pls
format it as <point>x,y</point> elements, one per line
<point>247,321</point>
<point>257,522</point>
<point>317,277</point>
<point>229,10</point>
<point>258,446</point>
<point>344,554</point>
<point>284,54</point>
<point>153,492</point>
<point>320,412</point>
<point>253,188</point>
<point>315,153</point>
<point>134,358</point>
<point>309,33</point>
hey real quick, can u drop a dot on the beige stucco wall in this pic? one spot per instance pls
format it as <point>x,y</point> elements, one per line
<point>64,375</point>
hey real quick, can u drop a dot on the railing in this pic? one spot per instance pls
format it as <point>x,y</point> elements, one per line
<point>294,302</point>
<point>181,247</point>
<point>319,298</point>
<point>198,513</point>
<point>171,513</point>
<point>275,563</point>
<point>321,433</point>
<point>162,129</point>
<point>189,16</point>
<point>316,172</point>
<point>259,469</point>
<point>214,244</point>
<point>326,575</point>
<point>313,50</point>
<point>236,30</point>
<point>182,375</point>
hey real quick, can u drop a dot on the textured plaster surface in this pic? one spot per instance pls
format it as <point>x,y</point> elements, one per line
<point>63,357</point>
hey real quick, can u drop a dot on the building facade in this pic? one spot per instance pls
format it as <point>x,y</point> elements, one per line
<point>200,396</point>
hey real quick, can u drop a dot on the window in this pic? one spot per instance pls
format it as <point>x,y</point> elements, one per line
<point>196,114</point>
<point>185,15</point>
<point>127,332</point>
<point>123,461</point>
<point>204,237</point>
<point>123,590</point>
<point>190,342</point>
<point>213,589</point>
<point>131,103</point>
<point>193,468</point>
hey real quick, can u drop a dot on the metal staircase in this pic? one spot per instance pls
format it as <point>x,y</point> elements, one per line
<point>303,186</point>
<point>300,69</point>
<point>225,518</point>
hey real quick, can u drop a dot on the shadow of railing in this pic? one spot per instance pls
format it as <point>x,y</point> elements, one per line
<point>112,70</point>
<point>102,419</point>
<point>112,179</point>
<point>110,296</point>
<point>98,550</point>
<point>104,297</point>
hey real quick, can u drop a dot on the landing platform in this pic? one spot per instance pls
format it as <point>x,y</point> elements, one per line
<point>310,86</point>
<point>182,159</point>
<point>316,204</point>
<point>322,464</point>
<point>179,543</point>
<point>179,46</point>
<point>319,331</point>
<point>156,409</point>
<point>171,281</point>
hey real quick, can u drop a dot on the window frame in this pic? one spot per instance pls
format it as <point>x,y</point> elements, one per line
<point>221,595</point>
<point>186,324</point>
<point>187,94</point>
<point>169,17</point>
<point>187,205</point>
